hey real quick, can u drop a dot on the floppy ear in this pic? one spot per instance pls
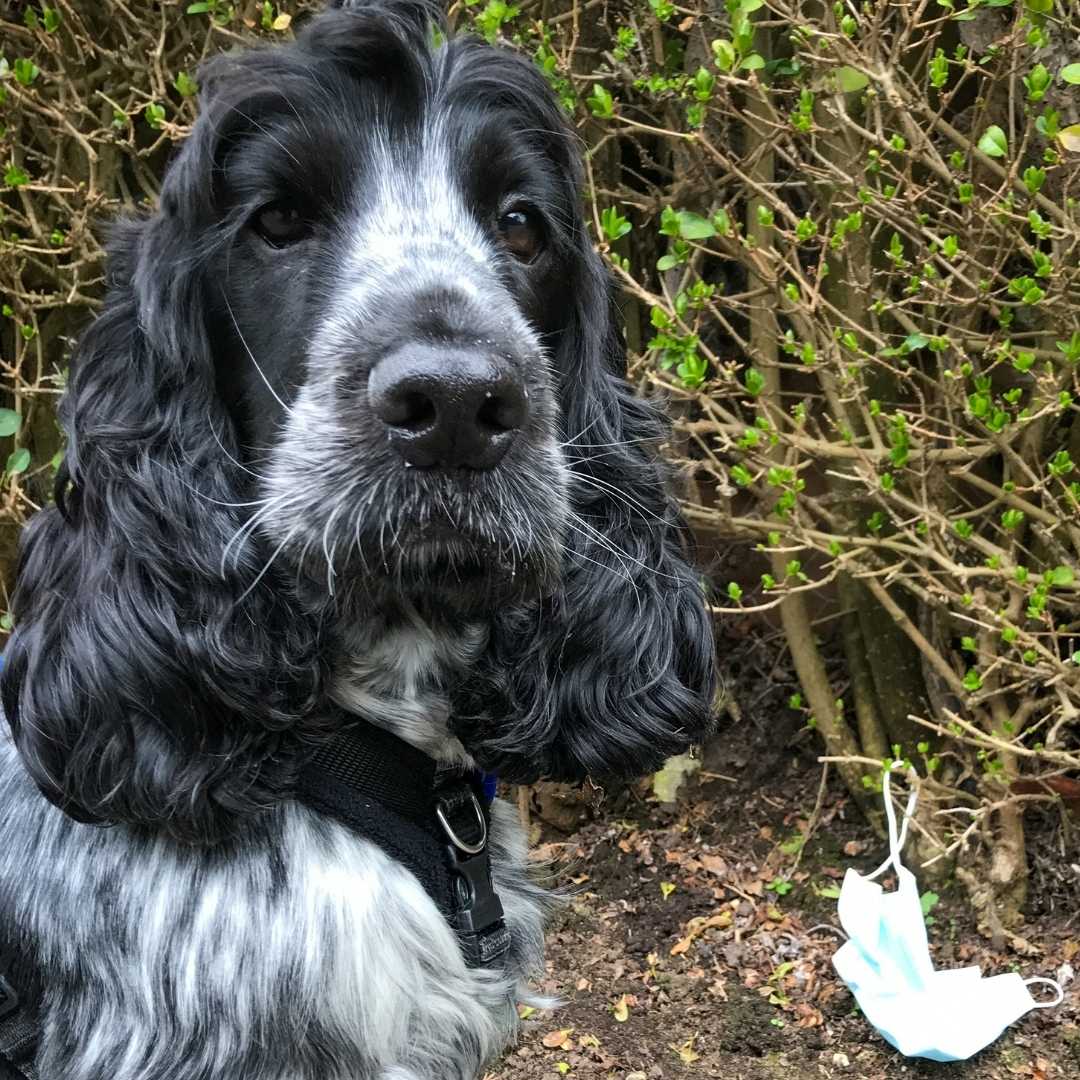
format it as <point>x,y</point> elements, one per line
<point>615,671</point>
<point>156,672</point>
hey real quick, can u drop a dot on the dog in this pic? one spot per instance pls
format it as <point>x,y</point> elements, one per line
<point>350,452</point>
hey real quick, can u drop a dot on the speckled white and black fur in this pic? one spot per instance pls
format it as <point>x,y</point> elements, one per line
<point>238,564</point>
<point>294,950</point>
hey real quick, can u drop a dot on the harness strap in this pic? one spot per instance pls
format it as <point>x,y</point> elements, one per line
<point>436,824</point>
<point>20,1026</point>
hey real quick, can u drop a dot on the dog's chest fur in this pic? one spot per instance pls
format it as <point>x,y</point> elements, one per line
<point>297,951</point>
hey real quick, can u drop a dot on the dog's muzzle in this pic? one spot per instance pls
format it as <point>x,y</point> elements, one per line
<point>448,407</point>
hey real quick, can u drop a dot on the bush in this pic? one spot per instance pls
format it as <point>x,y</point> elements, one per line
<point>849,246</point>
<point>856,236</point>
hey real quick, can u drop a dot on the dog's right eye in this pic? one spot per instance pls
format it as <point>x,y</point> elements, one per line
<point>280,224</point>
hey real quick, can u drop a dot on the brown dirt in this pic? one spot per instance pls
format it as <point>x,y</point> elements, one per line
<point>747,991</point>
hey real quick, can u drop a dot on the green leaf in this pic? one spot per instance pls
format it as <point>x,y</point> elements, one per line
<point>10,422</point>
<point>724,54</point>
<point>753,62</point>
<point>614,224</point>
<point>928,901</point>
<point>993,143</point>
<point>154,114</point>
<point>25,70</point>
<point>694,227</point>
<point>198,8</point>
<point>754,380</point>
<point>722,223</point>
<point>1071,74</point>
<point>15,176</point>
<point>17,461</point>
<point>601,103</point>
<point>185,85</point>
<point>849,80</point>
<point>1061,575</point>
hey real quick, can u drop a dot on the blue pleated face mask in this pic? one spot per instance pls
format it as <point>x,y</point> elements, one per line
<point>941,1015</point>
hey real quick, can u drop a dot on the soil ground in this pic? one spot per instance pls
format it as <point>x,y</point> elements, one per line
<point>674,958</point>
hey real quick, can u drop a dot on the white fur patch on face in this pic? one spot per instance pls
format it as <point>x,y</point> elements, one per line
<point>413,232</point>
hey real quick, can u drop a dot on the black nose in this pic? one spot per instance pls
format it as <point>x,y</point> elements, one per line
<point>448,406</point>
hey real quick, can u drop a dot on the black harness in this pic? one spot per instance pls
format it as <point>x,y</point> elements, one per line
<point>433,822</point>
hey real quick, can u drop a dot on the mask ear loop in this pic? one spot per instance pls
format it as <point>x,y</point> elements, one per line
<point>896,842</point>
<point>1047,982</point>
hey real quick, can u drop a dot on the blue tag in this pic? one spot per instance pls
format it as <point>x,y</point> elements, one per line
<point>490,784</point>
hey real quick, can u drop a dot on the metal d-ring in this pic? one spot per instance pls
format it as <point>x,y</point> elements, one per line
<point>463,845</point>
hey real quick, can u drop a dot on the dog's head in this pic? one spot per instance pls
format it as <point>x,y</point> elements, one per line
<point>361,366</point>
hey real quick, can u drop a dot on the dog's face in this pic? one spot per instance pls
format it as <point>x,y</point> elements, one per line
<point>402,224</point>
<point>360,366</point>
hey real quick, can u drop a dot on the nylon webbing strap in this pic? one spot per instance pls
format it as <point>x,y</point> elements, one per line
<point>387,791</point>
<point>20,1026</point>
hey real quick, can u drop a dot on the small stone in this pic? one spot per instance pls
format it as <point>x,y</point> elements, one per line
<point>841,1061</point>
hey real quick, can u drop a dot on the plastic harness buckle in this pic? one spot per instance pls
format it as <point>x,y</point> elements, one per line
<point>478,912</point>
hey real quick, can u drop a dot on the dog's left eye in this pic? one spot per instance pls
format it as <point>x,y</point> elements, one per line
<point>280,224</point>
<point>522,233</point>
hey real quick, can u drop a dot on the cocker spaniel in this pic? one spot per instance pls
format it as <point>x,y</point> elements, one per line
<point>355,502</point>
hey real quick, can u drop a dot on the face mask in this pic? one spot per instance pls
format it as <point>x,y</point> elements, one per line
<point>941,1015</point>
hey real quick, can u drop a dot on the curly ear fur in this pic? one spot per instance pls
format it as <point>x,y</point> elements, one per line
<point>150,679</point>
<point>615,671</point>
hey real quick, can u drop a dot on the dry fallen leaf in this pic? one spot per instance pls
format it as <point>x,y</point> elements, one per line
<point>621,1010</point>
<point>687,1051</point>
<point>714,864</point>
<point>682,945</point>
<point>282,22</point>
<point>525,1011</point>
<point>553,1040</point>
